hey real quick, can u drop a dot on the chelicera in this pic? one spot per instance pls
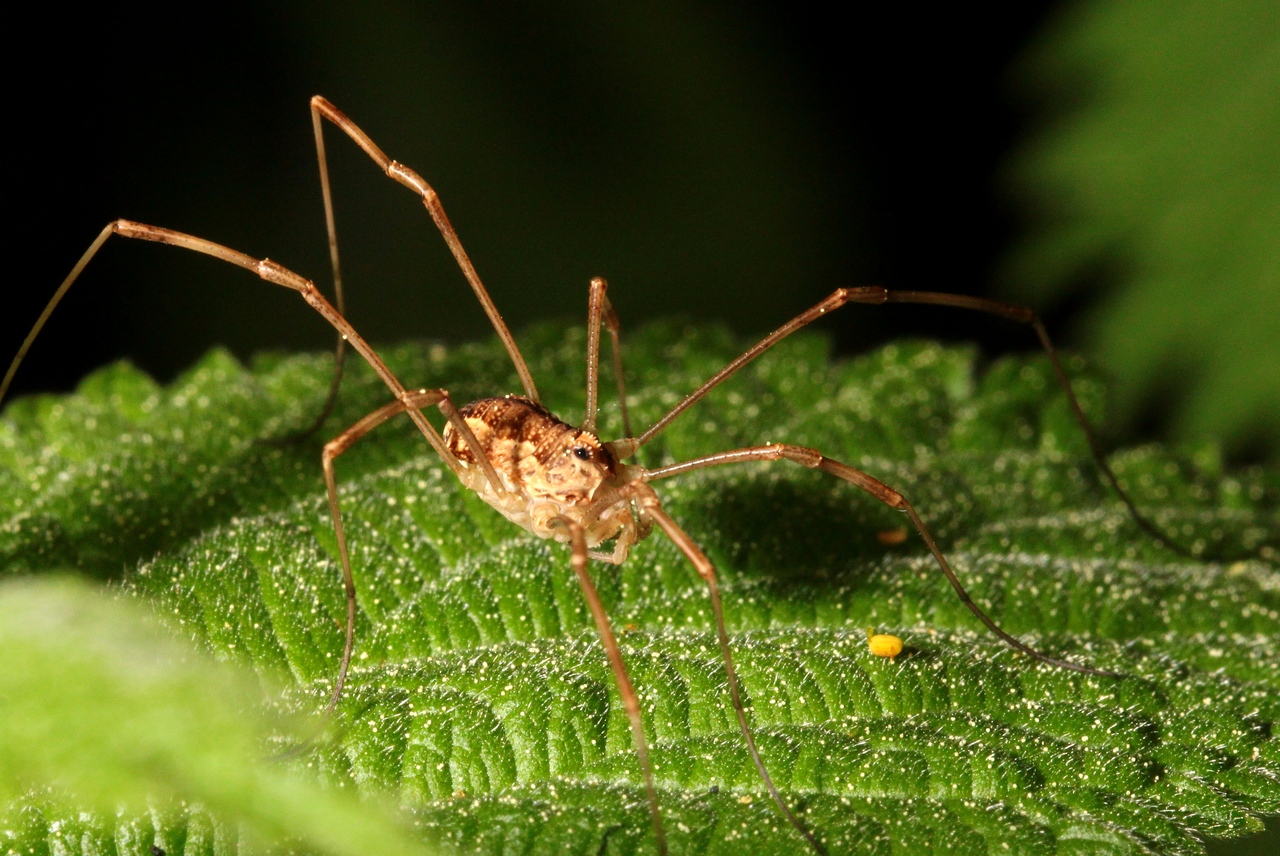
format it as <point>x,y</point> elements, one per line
<point>563,482</point>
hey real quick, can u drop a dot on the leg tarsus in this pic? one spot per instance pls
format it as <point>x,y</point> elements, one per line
<point>331,401</point>
<point>410,402</point>
<point>652,506</point>
<point>614,326</point>
<point>600,311</point>
<point>339,300</point>
<point>84,260</point>
<point>1025,315</point>
<point>630,701</point>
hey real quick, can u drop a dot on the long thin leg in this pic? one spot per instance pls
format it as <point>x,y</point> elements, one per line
<point>53,304</point>
<point>878,489</point>
<point>406,401</point>
<point>321,107</point>
<point>1024,315</point>
<point>630,701</point>
<point>331,227</point>
<point>875,295</point>
<point>838,298</point>
<point>600,310</point>
<point>279,275</point>
<point>410,402</point>
<point>652,506</point>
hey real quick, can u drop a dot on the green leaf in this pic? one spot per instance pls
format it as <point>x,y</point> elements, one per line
<point>1159,164</point>
<point>481,698</point>
<point>120,716</point>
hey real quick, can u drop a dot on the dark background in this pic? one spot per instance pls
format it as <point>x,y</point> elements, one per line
<point>728,161</point>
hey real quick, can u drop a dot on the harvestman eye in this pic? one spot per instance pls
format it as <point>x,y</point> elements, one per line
<point>621,506</point>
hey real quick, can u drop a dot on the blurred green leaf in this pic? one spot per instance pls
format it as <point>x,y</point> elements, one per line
<point>1160,168</point>
<point>481,699</point>
<point>100,703</point>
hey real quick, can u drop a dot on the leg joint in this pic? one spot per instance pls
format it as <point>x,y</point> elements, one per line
<point>410,179</point>
<point>641,493</point>
<point>132,229</point>
<point>278,274</point>
<point>334,448</point>
<point>799,454</point>
<point>893,498</point>
<point>415,398</point>
<point>873,294</point>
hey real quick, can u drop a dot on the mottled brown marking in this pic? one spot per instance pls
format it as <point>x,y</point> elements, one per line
<point>528,446</point>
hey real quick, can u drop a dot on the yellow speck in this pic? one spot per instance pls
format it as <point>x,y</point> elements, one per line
<point>883,645</point>
<point>745,799</point>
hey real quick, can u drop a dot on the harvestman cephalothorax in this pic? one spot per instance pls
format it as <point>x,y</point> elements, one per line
<point>562,482</point>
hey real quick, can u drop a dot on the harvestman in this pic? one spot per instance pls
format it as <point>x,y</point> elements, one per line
<point>562,482</point>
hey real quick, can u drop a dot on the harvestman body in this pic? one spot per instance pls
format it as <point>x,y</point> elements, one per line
<point>562,482</point>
